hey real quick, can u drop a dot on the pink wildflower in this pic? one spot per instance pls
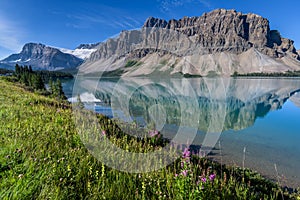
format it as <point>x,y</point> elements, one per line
<point>212,177</point>
<point>186,153</point>
<point>184,172</point>
<point>153,133</point>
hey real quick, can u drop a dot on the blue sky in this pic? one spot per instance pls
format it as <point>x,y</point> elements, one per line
<point>68,23</point>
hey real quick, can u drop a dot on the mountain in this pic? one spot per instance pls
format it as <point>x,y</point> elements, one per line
<point>83,51</point>
<point>220,42</point>
<point>40,56</point>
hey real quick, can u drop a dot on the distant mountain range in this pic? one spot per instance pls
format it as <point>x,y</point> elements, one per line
<point>220,42</point>
<point>43,57</point>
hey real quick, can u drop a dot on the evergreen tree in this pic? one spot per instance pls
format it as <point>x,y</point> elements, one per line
<point>58,90</point>
<point>30,69</point>
<point>17,71</point>
<point>51,86</point>
<point>38,83</point>
<point>29,78</point>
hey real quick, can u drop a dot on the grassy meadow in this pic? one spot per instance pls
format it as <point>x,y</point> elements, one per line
<point>42,157</point>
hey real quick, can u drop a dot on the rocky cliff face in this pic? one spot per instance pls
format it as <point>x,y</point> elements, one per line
<point>40,56</point>
<point>219,42</point>
<point>228,30</point>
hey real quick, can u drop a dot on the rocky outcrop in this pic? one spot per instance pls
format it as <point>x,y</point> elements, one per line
<point>219,42</point>
<point>40,56</point>
<point>88,46</point>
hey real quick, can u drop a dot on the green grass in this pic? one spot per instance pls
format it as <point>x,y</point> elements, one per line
<point>42,157</point>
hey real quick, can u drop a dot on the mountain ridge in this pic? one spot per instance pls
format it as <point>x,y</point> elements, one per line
<point>220,42</point>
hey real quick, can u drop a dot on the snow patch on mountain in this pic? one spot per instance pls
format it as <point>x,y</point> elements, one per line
<point>80,53</point>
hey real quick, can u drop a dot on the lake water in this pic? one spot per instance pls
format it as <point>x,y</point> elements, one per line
<point>260,117</point>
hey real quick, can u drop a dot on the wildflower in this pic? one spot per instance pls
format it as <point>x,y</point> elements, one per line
<point>176,175</point>
<point>203,180</point>
<point>153,133</point>
<point>186,153</point>
<point>103,133</point>
<point>182,164</point>
<point>184,172</point>
<point>20,175</point>
<point>212,177</point>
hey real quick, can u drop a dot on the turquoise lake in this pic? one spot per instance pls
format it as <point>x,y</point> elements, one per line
<point>253,122</point>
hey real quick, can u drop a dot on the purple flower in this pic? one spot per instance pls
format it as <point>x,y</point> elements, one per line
<point>184,172</point>
<point>186,153</point>
<point>212,177</point>
<point>103,133</point>
<point>203,180</point>
<point>153,133</point>
<point>182,164</point>
<point>176,175</point>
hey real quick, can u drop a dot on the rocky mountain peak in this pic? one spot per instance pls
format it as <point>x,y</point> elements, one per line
<point>223,30</point>
<point>88,46</point>
<point>227,27</point>
<point>155,22</point>
<point>40,56</point>
<point>35,50</point>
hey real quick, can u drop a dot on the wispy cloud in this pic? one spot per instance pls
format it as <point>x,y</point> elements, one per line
<point>206,3</point>
<point>10,35</point>
<point>110,17</point>
<point>168,5</point>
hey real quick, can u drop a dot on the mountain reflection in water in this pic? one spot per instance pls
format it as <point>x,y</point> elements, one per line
<point>223,103</point>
